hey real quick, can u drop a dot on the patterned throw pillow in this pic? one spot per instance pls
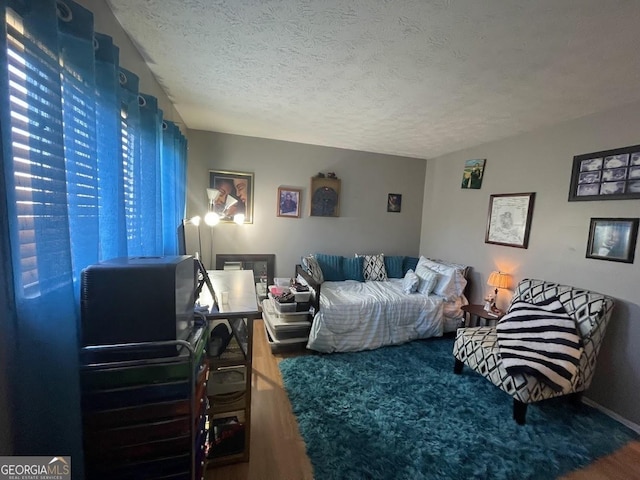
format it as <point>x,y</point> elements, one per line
<point>373,268</point>
<point>393,265</point>
<point>312,267</point>
<point>410,282</point>
<point>540,340</point>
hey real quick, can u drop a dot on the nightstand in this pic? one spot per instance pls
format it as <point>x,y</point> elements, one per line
<point>479,312</point>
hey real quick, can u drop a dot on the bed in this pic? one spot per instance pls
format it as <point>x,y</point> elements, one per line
<point>363,314</point>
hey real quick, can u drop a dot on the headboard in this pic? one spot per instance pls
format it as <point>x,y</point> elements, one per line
<point>313,286</point>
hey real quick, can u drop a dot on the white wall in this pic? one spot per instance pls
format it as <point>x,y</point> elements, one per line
<point>364,225</point>
<point>454,225</point>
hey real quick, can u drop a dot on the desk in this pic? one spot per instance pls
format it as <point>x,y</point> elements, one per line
<point>479,312</point>
<point>239,309</point>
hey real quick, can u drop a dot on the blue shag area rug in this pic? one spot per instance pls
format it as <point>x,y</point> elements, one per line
<point>401,413</point>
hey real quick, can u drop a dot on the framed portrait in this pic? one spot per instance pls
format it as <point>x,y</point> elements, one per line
<point>289,202</point>
<point>509,219</point>
<point>473,173</point>
<point>325,197</point>
<point>606,175</point>
<point>232,195</point>
<point>394,202</point>
<point>613,239</point>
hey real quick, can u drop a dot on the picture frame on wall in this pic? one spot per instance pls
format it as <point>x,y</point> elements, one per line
<point>325,197</point>
<point>289,202</point>
<point>606,175</point>
<point>473,173</point>
<point>613,239</point>
<point>394,202</point>
<point>509,219</point>
<point>234,195</point>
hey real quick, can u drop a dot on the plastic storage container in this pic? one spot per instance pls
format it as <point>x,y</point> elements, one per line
<point>301,296</point>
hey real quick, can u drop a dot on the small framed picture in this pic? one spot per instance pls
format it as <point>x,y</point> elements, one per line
<point>394,202</point>
<point>612,239</point>
<point>289,202</point>
<point>472,173</point>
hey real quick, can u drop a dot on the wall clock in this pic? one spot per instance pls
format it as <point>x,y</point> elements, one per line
<point>325,197</point>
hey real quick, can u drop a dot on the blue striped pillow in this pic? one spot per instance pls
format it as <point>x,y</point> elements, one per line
<point>393,266</point>
<point>331,266</point>
<point>409,263</point>
<point>352,268</point>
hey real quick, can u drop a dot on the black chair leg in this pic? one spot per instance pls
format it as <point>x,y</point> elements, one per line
<point>519,411</point>
<point>575,398</point>
<point>457,368</point>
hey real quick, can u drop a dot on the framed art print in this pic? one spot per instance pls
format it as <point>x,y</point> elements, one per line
<point>234,194</point>
<point>473,173</point>
<point>607,175</point>
<point>394,202</point>
<point>509,219</point>
<point>289,202</point>
<point>613,239</point>
<point>325,197</point>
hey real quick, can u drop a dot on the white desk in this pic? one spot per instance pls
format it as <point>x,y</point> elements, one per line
<point>241,293</point>
<point>240,310</point>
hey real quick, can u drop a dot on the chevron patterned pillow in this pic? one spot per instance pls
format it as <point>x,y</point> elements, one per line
<point>373,268</point>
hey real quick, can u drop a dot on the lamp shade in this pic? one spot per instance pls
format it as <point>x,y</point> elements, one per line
<point>212,194</point>
<point>498,280</point>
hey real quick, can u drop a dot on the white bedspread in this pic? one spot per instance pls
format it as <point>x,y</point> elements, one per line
<point>357,316</point>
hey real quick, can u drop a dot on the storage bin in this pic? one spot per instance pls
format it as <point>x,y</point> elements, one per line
<point>276,290</point>
<point>285,307</point>
<point>282,281</point>
<point>301,296</point>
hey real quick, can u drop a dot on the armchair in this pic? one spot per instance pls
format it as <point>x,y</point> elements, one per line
<point>477,347</point>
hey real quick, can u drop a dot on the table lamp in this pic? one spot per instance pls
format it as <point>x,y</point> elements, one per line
<point>498,280</point>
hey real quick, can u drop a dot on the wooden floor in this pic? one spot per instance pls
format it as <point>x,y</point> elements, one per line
<point>278,451</point>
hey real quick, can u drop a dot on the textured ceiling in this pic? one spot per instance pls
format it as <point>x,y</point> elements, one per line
<point>406,77</point>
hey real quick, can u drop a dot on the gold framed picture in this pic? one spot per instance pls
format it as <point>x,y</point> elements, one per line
<point>289,202</point>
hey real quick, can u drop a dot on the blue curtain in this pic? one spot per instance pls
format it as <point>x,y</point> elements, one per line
<point>89,171</point>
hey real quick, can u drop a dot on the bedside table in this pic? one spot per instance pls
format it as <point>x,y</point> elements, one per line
<point>479,312</point>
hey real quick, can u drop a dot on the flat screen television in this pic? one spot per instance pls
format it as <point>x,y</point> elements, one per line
<point>138,299</point>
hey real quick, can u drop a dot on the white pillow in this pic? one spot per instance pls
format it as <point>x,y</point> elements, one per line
<point>373,267</point>
<point>428,279</point>
<point>451,282</point>
<point>410,282</point>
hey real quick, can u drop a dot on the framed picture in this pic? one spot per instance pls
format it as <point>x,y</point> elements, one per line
<point>473,173</point>
<point>606,175</point>
<point>612,239</point>
<point>509,219</point>
<point>325,197</point>
<point>394,202</point>
<point>233,196</point>
<point>289,202</point>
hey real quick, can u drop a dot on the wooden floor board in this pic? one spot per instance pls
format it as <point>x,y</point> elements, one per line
<point>278,451</point>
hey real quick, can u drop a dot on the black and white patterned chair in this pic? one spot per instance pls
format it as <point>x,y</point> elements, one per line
<point>477,347</point>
